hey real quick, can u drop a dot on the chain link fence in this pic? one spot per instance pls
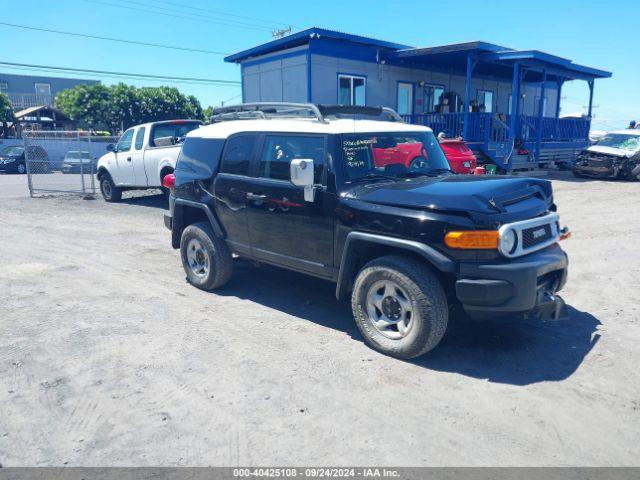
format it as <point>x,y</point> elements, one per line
<point>63,162</point>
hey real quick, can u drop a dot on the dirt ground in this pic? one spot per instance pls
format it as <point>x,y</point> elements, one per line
<point>108,357</point>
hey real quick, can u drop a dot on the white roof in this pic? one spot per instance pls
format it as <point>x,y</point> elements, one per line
<point>303,125</point>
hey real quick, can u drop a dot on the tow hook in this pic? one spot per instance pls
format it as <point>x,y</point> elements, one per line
<point>551,308</point>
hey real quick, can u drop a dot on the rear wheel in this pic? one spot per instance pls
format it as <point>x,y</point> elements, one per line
<point>109,191</point>
<point>21,168</point>
<point>206,259</point>
<point>399,306</point>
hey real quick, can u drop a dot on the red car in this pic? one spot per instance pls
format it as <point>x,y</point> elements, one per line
<point>412,155</point>
<point>461,158</point>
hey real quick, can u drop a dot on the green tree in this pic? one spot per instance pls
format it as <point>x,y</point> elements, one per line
<point>207,113</point>
<point>6,114</point>
<point>89,105</point>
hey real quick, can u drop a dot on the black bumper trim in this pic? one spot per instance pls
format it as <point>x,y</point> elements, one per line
<point>530,278</point>
<point>168,220</point>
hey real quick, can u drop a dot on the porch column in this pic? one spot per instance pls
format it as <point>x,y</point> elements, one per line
<point>467,97</point>
<point>540,114</point>
<point>513,119</point>
<point>590,98</point>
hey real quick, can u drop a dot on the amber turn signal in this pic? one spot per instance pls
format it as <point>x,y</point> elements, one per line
<point>473,239</point>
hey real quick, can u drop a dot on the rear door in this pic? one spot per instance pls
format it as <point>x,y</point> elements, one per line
<point>231,187</point>
<point>283,227</point>
<point>124,173</point>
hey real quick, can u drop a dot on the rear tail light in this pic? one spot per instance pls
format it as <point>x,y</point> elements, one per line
<point>169,181</point>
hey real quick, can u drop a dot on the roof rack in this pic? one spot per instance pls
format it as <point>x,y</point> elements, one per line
<point>266,110</point>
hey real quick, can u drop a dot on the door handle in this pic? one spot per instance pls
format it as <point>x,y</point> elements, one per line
<point>255,196</point>
<point>128,159</point>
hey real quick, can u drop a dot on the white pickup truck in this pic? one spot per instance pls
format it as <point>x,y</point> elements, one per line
<point>143,156</point>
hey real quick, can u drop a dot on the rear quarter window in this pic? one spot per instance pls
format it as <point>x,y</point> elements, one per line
<point>198,159</point>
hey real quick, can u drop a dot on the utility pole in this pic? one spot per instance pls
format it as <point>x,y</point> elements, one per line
<point>281,32</point>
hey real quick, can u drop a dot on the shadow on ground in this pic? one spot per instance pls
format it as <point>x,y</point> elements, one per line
<point>513,351</point>
<point>153,200</point>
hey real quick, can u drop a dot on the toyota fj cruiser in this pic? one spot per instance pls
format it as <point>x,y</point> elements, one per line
<point>299,186</point>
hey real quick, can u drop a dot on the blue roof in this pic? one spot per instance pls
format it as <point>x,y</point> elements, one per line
<point>498,62</point>
<point>303,37</point>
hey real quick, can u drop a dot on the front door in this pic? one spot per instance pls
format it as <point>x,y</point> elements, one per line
<point>405,98</point>
<point>283,227</point>
<point>137,159</point>
<point>124,173</point>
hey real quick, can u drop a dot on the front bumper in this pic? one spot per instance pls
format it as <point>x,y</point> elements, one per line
<point>522,285</point>
<point>603,171</point>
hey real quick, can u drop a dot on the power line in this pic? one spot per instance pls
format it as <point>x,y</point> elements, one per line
<point>142,76</point>
<point>176,15</point>
<point>182,5</point>
<point>111,39</point>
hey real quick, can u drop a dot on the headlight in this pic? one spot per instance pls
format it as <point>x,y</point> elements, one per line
<point>508,241</point>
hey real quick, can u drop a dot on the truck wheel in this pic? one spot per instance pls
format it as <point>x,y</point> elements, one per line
<point>109,191</point>
<point>206,258</point>
<point>399,306</point>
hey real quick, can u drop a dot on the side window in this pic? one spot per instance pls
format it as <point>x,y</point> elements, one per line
<point>140,138</point>
<point>279,150</point>
<point>124,144</point>
<point>237,154</point>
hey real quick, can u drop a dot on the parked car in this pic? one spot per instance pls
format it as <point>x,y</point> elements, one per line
<point>615,155</point>
<point>459,155</point>
<point>406,245</point>
<point>396,150</point>
<point>142,157</point>
<point>12,159</point>
<point>76,161</point>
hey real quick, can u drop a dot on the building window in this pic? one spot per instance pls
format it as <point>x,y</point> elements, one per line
<point>351,90</point>
<point>433,96</point>
<point>405,98</point>
<point>4,87</point>
<point>43,89</point>
<point>536,107</point>
<point>485,100</point>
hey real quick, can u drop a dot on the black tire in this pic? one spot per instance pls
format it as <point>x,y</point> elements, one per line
<point>418,163</point>
<point>21,168</point>
<point>429,315</point>
<point>109,191</point>
<point>216,254</point>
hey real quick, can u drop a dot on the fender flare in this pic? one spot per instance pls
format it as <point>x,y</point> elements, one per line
<point>431,255</point>
<point>177,222</point>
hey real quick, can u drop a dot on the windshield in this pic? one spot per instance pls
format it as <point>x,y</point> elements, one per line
<point>392,154</point>
<point>12,151</point>
<point>630,143</point>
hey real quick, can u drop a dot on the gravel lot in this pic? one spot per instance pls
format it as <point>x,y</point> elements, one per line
<point>108,357</point>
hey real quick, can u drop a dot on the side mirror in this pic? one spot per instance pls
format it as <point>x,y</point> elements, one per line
<point>302,175</point>
<point>111,147</point>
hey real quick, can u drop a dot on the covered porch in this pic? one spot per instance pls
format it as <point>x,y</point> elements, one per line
<point>510,134</point>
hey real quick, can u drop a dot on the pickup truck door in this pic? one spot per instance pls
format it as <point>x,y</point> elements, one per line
<point>283,227</point>
<point>137,158</point>
<point>124,173</point>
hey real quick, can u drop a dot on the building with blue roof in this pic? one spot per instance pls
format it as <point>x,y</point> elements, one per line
<point>504,102</point>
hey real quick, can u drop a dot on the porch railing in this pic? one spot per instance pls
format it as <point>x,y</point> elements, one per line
<point>489,127</point>
<point>21,101</point>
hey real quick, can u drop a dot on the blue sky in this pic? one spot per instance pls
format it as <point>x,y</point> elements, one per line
<point>600,34</point>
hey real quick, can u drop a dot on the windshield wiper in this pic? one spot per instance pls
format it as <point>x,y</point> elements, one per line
<point>375,176</point>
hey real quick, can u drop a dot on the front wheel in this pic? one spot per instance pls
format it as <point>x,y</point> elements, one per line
<point>206,259</point>
<point>21,168</point>
<point>109,191</point>
<point>399,306</point>
<point>418,163</point>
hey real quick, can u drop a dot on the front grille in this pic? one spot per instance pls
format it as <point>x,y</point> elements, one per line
<point>535,235</point>
<point>599,161</point>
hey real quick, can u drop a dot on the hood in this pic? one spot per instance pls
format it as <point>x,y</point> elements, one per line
<point>618,152</point>
<point>484,198</point>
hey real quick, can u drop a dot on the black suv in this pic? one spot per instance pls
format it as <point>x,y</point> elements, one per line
<point>324,191</point>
